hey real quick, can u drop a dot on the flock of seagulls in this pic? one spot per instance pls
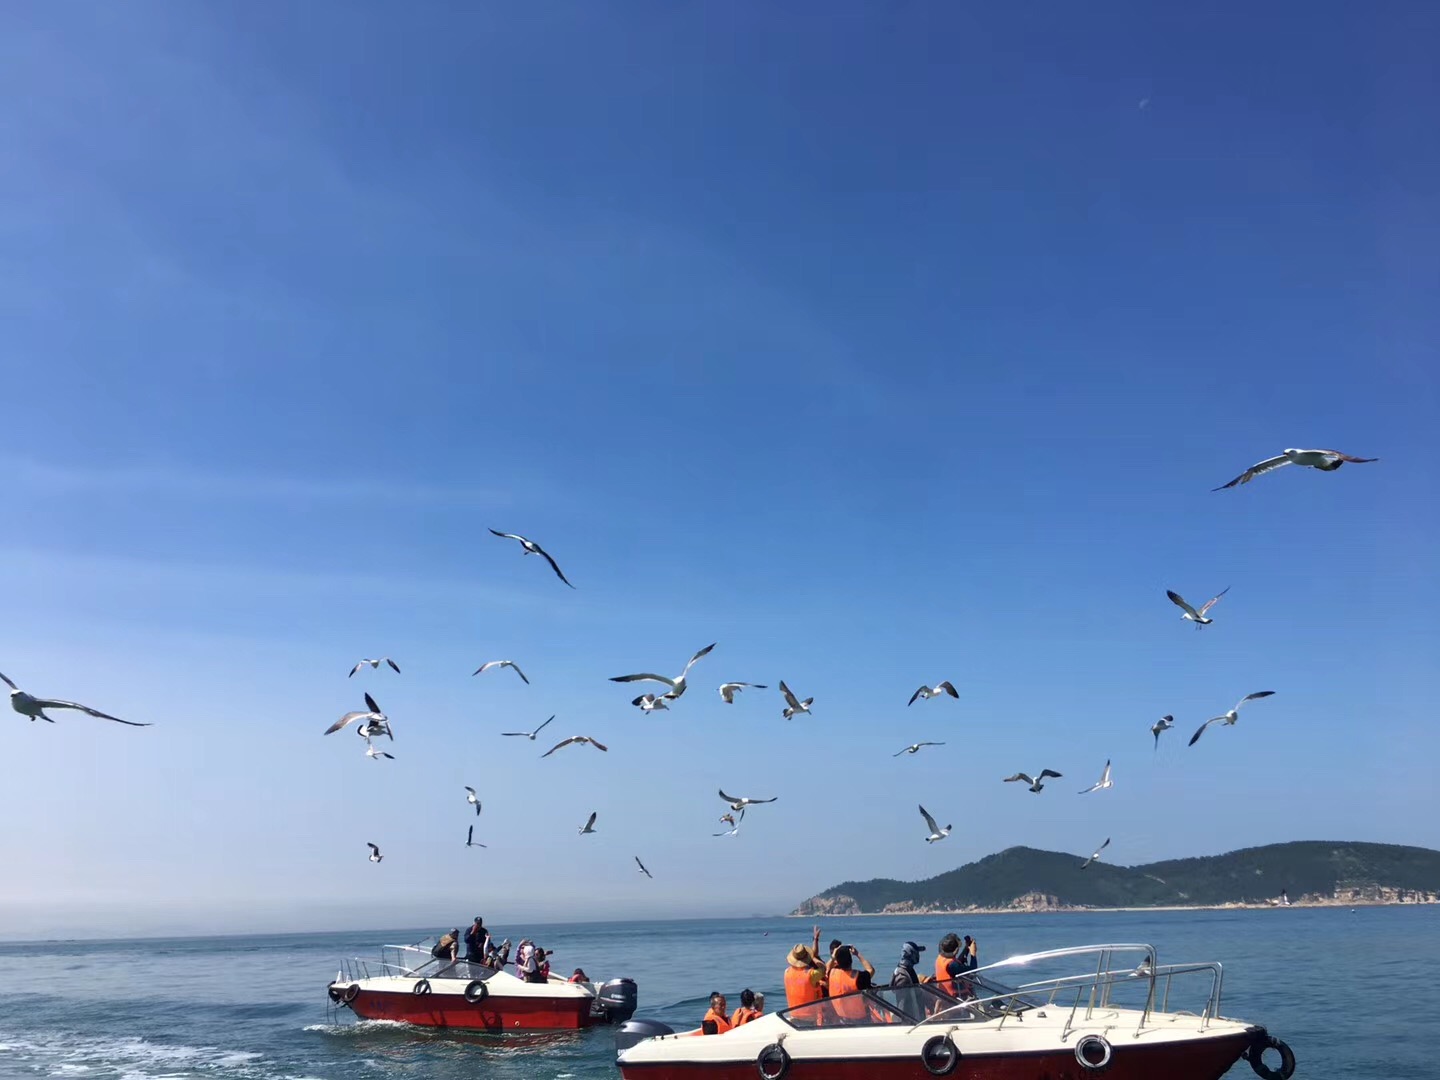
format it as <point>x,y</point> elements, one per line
<point>372,722</point>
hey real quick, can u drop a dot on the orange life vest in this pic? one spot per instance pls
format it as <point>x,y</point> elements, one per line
<point>802,986</point>
<point>742,1015</point>
<point>942,971</point>
<point>846,982</point>
<point>722,1025</point>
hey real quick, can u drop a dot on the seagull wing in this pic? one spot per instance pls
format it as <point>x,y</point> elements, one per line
<point>56,703</point>
<point>356,668</point>
<point>348,718</point>
<point>1347,457</point>
<point>949,688</point>
<point>553,565</point>
<point>370,704</point>
<point>1255,470</point>
<point>590,822</point>
<point>1019,776</point>
<point>1214,600</point>
<point>641,865</point>
<point>470,836</point>
<point>1103,846</point>
<point>1047,772</point>
<point>541,727</point>
<point>730,798</point>
<point>930,744</point>
<point>789,697</point>
<point>703,652</point>
<point>373,849</point>
<point>908,750</point>
<point>1105,776</point>
<point>509,536</point>
<point>393,665</point>
<point>525,734</point>
<point>516,667</point>
<point>561,744</point>
<point>597,745</point>
<point>1179,601</point>
<point>645,677</point>
<point>1252,697</point>
<point>915,696</point>
<point>8,682</point>
<point>929,820</point>
<point>470,789</point>
<point>1196,737</point>
<point>757,802</point>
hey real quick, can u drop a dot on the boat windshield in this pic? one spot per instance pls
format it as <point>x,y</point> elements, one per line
<point>979,997</point>
<point>902,1005</point>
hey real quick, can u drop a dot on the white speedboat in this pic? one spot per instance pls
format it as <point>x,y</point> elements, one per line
<point>1116,1020</point>
<point>407,984</point>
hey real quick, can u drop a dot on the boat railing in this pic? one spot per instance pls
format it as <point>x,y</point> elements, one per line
<point>402,961</point>
<point>1084,994</point>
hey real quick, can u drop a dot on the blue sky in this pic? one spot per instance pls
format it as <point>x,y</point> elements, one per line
<point>880,344</point>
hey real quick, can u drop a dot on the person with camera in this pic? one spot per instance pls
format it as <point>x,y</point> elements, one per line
<point>845,979</point>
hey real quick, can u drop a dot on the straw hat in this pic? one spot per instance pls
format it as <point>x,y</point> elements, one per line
<point>801,957</point>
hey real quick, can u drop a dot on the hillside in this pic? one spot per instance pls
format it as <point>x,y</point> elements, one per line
<point>1022,878</point>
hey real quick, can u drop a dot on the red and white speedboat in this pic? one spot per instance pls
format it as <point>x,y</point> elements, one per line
<point>1115,1020</point>
<point>408,985</point>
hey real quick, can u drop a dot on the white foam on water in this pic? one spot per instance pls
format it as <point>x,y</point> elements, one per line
<point>128,1058</point>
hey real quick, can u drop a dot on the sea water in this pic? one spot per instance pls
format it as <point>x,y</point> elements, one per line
<point>1349,991</point>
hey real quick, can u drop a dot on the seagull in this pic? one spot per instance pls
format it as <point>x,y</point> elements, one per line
<point>730,820</point>
<point>470,840</point>
<point>730,689</point>
<point>473,799</point>
<point>928,692</point>
<point>936,833</point>
<point>792,706</point>
<point>376,755</point>
<point>370,728</point>
<point>1324,460</point>
<point>677,685</point>
<point>574,739</point>
<point>650,703</point>
<point>501,663</point>
<point>1188,612</point>
<point>1101,784</point>
<point>532,548</point>
<point>641,865</point>
<point>350,717</point>
<point>589,826</point>
<point>1230,717</point>
<point>1037,782</point>
<point>914,748</point>
<point>1165,723</point>
<point>1096,854</point>
<point>33,707</point>
<point>738,802</point>
<point>374,664</point>
<point>375,855</point>
<point>528,734</point>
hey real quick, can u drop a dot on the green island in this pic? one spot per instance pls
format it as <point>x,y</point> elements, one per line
<point>1299,873</point>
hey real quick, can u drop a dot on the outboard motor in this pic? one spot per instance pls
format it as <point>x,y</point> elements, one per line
<point>637,1031</point>
<point>620,998</point>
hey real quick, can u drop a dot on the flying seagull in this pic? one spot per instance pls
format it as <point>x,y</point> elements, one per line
<point>33,707</point>
<point>936,833</point>
<point>370,728</point>
<point>928,692</point>
<point>1096,854</point>
<point>792,706</point>
<point>1188,612</point>
<point>574,739</point>
<point>1165,723</point>
<point>730,689</point>
<point>532,548</point>
<point>677,684</point>
<point>729,819</point>
<point>528,734</point>
<point>502,664</point>
<point>350,717</point>
<point>374,664</point>
<point>914,748</point>
<point>376,755</point>
<point>740,802</point>
<point>1037,782</point>
<point>1230,717</point>
<point>1101,784</point>
<point>641,865</point>
<point>589,826</point>
<point>649,702</point>
<point>470,840</point>
<point>473,799</point>
<point>375,855</point>
<point>1324,460</point>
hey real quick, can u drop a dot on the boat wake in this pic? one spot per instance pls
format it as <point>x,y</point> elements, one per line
<point>124,1058</point>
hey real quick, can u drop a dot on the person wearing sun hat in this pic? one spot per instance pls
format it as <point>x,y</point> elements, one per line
<point>804,974</point>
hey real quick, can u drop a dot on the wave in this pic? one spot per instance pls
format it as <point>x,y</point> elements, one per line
<point>122,1058</point>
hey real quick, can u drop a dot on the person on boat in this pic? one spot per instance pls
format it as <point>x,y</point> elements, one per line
<point>746,1012</point>
<point>542,965</point>
<point>948,963</point>
<point>579,976</point>
<point>448,947</point>
<point>759,1008</point>
<point>715,1022</point>
<point>905,974</point>
<point>844,979</point>
<point>804,976</point>
<point>477,942</point>
<point>525,962</point>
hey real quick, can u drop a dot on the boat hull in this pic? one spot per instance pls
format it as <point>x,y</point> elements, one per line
<point>1201,1059</point>
<point>495,1013</point>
